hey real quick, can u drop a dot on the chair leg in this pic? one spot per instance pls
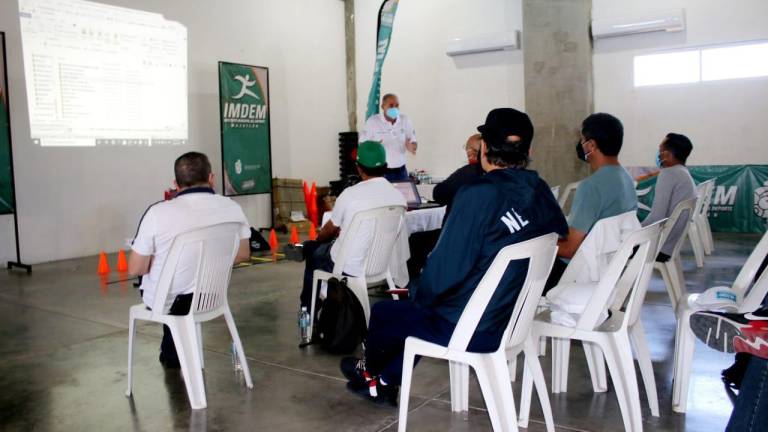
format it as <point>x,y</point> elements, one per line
<point>684,359</point>
<point>708,229</point>
<point>200,344</point>
<point>131,334</point>
<point>646,367</point>
<point>235,335</point>
<point>698,249</point>
<point>493,375</point>
<point>620,383</point>
<point>405,387</point>
<point>459,377</point>
<point>668,283</point>
<point>532,370</point>
<point>706,236</point>
<point>185,340</point>
<point>542,346</point>
<point>512,367</point>
<point>596,366</point>
<point>561,351</point>
<point>315,281</point>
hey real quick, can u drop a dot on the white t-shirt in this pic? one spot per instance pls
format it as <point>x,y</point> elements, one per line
<point>366,195</point>
<point>391,136</point>
<point>165,220</point>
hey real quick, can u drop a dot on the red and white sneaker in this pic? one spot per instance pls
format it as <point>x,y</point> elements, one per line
<point>728,332</point>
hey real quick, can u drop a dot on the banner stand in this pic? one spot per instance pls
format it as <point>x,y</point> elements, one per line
<point>12,264</point>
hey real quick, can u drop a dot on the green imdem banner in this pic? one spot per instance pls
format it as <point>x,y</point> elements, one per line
<point>739,201</point>
<point>245,137</point>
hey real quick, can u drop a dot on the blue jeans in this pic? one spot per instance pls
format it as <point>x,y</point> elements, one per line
<point>750,413</point>
<point>396,174</point>
<point>317,256</point>
<point>393,321</point>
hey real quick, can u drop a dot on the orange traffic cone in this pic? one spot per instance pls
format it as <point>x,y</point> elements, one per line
<point>273,244</point>
<point>103,264</point>
<point>294,235</point>
<point>122,263</point>
<point>312,231</point>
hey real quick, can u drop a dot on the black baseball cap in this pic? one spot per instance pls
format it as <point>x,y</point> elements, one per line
<point>503,122</point>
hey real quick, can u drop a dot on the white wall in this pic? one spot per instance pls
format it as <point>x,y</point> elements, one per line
<point>446,98</point>
<point>726,120</point>
<point>76,201</point>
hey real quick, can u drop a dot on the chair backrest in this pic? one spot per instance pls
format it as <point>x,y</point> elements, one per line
<point>540,252</point>
<point>571,187</point>
<point>215,248</point>
<point>683,213</point>
<point>701,198</point>
<point>385,223</point>
<point>748,271</point>
<point>555,191</point>
<point>626,279</point>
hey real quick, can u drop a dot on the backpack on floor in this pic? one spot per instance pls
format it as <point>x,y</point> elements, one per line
<point>341,324</point>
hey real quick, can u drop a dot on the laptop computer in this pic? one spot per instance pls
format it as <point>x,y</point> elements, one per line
<point>411,195</point>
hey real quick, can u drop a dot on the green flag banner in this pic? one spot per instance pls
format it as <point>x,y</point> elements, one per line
<point>6,173</point>
<point>739,201</point>
<point>384,34</point>
<point>245,137</point>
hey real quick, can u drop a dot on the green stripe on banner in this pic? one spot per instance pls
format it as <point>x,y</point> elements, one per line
<point>739,201</point>
<point>386,21</point>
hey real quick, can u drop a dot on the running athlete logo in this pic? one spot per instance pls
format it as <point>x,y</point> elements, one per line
<point>246,84</point>
<point>761,201</point>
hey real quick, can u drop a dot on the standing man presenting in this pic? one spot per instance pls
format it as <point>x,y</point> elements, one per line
<point>395,132</point>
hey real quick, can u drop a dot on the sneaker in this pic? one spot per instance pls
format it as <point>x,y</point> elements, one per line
<point>374,391</point>
<point>727,332</point>
<point>354,370</point>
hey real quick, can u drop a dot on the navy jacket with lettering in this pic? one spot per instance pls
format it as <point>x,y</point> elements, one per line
<point>478,227</point>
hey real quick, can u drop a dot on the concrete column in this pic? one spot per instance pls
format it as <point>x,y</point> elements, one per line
<point>557,58</point>
<point>349,36</point>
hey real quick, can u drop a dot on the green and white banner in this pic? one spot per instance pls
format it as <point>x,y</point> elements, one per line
<point>6,172</point>
<point>739,201</point>
<point>245,135</point>
<point>384,34</point>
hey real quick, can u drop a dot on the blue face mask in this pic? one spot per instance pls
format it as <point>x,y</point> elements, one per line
<point>393,113</point>
<point>659,162</point>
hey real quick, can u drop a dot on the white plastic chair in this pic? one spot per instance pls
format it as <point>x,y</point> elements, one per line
<point>215,248</point>
<point>386,224</point>
<point>695,234</point>
<point>672,270</point>
<point>702,218</point>
<point>569,189</point>
<point>491,368</point>
<point>750,295</point>
<point>621,292</point>
<point>555,191</point>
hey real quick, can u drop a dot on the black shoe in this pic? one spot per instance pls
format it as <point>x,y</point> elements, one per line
<point>168,362</point>
<point>375,392</point>
<point>354,370</point>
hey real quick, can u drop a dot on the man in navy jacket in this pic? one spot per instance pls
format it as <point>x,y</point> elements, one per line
<point>508,205</point>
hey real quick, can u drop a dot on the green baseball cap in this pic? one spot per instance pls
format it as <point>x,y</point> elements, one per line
<point>371,154</point>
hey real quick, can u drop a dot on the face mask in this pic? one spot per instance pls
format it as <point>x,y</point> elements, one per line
<point>659,162</point>
<point>580,152</point>
<point>393,112</point>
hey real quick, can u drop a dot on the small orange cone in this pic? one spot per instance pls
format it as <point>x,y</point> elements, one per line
<point>294,235</point>
<point>103,264</point>
<point>122,263</point>
<point>312,231</point>
<point>273,240</point>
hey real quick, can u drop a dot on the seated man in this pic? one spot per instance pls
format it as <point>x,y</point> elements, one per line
<point>373,192</point>
<point>673,185</point>
<point>508,205</point>
<point>609,191</point>
<point>195,206</point>
<point>445,191</point>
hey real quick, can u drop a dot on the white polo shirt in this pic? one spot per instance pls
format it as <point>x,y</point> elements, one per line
<point>366,195</point>
<point>163,221</point>
<point>391,136</point>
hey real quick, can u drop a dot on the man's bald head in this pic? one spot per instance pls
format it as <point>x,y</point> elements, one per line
<point>472,148</point>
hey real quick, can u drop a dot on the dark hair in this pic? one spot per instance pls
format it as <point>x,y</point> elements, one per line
<point>387,96</point>
<point>373,172</point>
<point>191,169</point>
<point>507,153</point>
<point>679,145</point>
<point>606,130</point>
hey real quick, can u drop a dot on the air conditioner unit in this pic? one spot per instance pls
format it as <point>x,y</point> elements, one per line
<point>484,43</point>
<point>667,21</point>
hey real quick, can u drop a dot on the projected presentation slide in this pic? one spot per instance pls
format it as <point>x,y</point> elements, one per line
<point>100,75</point>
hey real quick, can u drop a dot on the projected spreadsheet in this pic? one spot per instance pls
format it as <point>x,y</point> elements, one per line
<point>103,75</point>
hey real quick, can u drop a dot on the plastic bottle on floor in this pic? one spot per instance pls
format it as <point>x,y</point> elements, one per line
<point>236,359</point>
<point>304,325</point>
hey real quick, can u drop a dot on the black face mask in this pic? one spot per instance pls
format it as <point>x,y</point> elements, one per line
<point>580,152</point>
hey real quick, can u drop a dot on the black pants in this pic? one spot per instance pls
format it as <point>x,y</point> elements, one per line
<point>181,305</point>
<point>317,256</point>
<point>558,268</point>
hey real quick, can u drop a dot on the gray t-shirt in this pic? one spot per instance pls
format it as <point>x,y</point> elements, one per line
<point>609,191</point>
<point>673,186</point>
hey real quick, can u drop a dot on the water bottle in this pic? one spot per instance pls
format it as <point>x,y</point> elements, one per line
<point>304,325</point>
<point>235,359</point>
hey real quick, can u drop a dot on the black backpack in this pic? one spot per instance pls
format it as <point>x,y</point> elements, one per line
<point>341,324</point>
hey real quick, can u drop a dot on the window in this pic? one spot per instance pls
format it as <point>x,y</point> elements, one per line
<point>705,64</point>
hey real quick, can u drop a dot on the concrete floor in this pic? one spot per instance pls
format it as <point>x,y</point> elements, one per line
<point>63,345</point>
